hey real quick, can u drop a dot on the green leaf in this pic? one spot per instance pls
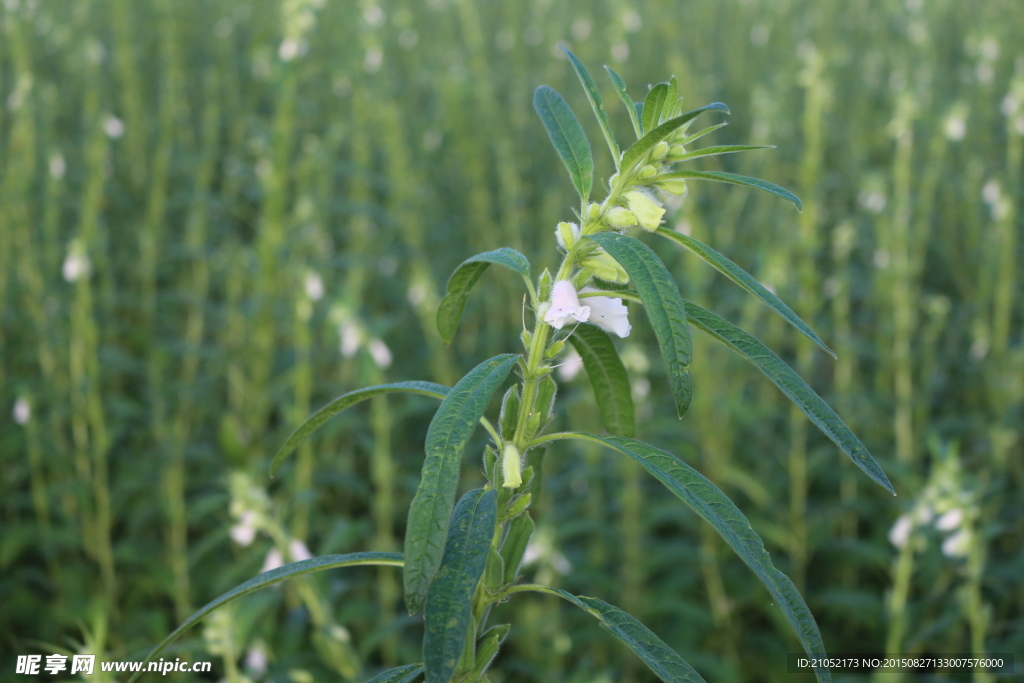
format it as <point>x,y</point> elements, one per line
<point>704,498</point>
<point>659,657</point>
<point>701,133</point>
<point>793,386</point>
<point>634,154</point>
<point>450,601</point>
<point>514,546</point>
<point>400,674</point>
<point>567,136</point>
<point>734,179</point>
<point>449,311</point>
<point>653,104</point>
<point>595,102</point>
<point>271,578</point>
<point>744,280</point>
<point>673,105</point>
<point>715,151</point>
<point>620,90</point>
<point>663,305</point>
<point>608,378</point>
<point>431,507</point>
<point>347,401</point>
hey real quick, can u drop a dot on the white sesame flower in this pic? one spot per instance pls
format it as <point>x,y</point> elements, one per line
<point>244,533</point>
<point>273,561</point>
<point>950,520</point>
<point>647,209</point>
<point>565,305</point>
<point>256,659</point>
<point>380,352</point>
<point>956,545</point>
<point>76,264</point>
<point>571,367</point>
<point>351,338</point>
<point>22,410</point>
<point>900,531</point>
<point>298,551</point>
<point>113,127</point>
<point>314,286</point>
<point>608,313</point>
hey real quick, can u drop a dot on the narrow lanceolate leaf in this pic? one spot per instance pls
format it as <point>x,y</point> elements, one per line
<point>450,601</point>
<point>431,508</point>
<point>654,103</point>
<point>716,151</point>
<point>449,311</point>
<point>733,179</point>
<point>714,507</point>
<point>595,102</point>
<point>567,136</point>
<point>635,153</point>
<point>663,305</point>
<point>701,133</point>
<point>271,578</point>
<point>608,378</point>
<point>620,90</point>
<point>744,280</point>
<point>793,386</point>
<point>673,105</point>
<point>658,656</point>
<point>400,674</point>
<point>347,401</point>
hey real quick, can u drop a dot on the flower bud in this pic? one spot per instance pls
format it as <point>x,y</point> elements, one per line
<point>619,217</point>
<point>676,151</point>
<point>676,186</point>
<point>593,212</point>
<point>660,151</point>
<point>646,207</point>
<point>555,349</point>
<point>511,467</point>
<point>566,234</point>
<point>648,172</point>
<point>606,268</point>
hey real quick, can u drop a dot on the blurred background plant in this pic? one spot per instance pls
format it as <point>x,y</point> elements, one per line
<point>215,216</point>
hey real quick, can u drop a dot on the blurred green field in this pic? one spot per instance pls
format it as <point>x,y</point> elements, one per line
<point>215,216</point>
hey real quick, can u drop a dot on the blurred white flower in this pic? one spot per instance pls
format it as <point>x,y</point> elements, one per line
<point>565,305</point>
<point>273,561</point>
<point>416,294</point>
<point>298,551</point>
<point>380,352</point>
<point>373,15</point>
<point>900,531</point>
<point>289,49</point>
<point>373,59</point>
<point>956,127</point>
<point>991,191</point>
<point>113,127</point>
<point>351,337</point>
<point>76,264</point>
<point>571,367</point>
<point>256,659</point>
<point>244,532</point>
<point>957,544</point>
<point>22,410</point>
<point>950,520</point>
<point>57,166</point>
<point>314,286</point>
<point>608,313</point>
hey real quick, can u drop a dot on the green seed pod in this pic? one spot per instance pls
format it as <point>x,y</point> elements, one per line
<point>494,570</point>
<point>519,532</point>
<point>555,349</point>
<point>490,643</point>
<point>518,505</point>
<point>533,424</point>
<point>527,337</point>
<point>544,285</point>
<point>546,397</point>
<point>490,464</point>
<point>509,412</point>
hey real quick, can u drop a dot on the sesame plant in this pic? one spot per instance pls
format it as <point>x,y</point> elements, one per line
<point>461,558</point>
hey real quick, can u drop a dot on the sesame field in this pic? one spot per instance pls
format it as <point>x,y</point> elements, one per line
<point>217,216</point>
